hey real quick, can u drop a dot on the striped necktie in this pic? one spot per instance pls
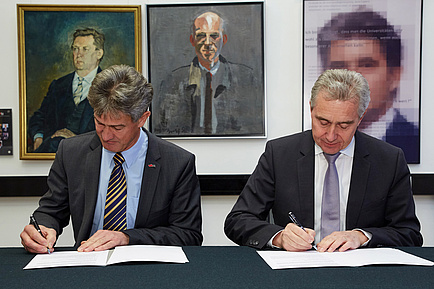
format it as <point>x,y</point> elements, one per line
<point>78,91</point>
<point>115,215</point>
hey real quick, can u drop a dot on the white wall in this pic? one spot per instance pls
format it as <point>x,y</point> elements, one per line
<point>283,52</point>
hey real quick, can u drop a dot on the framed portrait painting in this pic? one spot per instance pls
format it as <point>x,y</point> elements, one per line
<point>381,39</point>
<point>61,49</point>
<point>206,64</point>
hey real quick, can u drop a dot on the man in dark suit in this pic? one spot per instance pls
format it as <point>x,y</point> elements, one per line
<point>65,110</point>
<point>372,204</point>
<point>365,42</point>
<point>162,202</point>
<point>211,95</point>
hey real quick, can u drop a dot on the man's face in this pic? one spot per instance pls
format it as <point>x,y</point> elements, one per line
<point>208,39</point>
<point>365,57</point>
<point>86,55</point>
<point>119,133</point>
<point>334,123</point>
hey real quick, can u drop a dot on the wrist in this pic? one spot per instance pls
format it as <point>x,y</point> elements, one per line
<point>126,239</point>
<point>277,240</point>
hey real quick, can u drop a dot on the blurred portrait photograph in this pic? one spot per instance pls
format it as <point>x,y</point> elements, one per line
<point>381,39</point>
<point>62,48</point>
<point>206,63</point>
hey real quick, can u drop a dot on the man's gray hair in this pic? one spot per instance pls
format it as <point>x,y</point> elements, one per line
<point>120,89</point>
<point>344,85</point>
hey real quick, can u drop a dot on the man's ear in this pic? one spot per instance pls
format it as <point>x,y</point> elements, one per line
<point>361,118</point>
<point>143,118</point>
<point>225,38</point>
<point>100,53</point>
<point>192,39</point>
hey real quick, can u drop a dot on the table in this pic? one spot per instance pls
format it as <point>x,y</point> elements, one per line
<point>212,267</point>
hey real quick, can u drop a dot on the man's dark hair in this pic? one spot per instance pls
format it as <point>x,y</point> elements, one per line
<point>98,37</point>
<point>361,24</point>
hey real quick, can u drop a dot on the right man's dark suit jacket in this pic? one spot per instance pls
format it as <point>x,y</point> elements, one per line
<point>168,213</point>
<point>380,199</point>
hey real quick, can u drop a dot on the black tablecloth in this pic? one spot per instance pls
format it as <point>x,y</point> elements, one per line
<point>212,267</point>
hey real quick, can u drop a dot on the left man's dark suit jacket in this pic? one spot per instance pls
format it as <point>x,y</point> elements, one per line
<point>56,107</point>
<point>168,213</point>
<point>380,199</point>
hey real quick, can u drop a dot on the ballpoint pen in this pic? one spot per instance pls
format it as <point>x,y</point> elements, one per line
<point>295,221</point>
<point>35,224</point>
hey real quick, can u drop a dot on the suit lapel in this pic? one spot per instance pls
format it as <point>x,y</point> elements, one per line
<point>86,117</point>
<point>92,167</point>
<point>305,169</point>
<point>359,181</point>
<point>149,180</point>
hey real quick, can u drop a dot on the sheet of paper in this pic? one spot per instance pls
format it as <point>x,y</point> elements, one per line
<point>68,259</point>
<point>144,253</point>
<point>148,253</point>
<point>351,258</point>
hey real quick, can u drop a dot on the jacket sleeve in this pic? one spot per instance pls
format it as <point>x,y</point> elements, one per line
<point>247,223</point>
<point>399,225</point>
<point>178,220</point>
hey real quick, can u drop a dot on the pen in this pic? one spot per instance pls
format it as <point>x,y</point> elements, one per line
<point>295,221</point>
<point>35,224</point>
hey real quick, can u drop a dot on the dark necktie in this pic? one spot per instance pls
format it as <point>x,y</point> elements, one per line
<point>115,214</point>
<point>78,91</point>
<point>208,104</point>
<point>330,208</point>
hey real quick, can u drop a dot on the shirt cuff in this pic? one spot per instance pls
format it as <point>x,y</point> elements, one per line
<point>367,234</point>
<point>270,242</point>
<point>38,135</point>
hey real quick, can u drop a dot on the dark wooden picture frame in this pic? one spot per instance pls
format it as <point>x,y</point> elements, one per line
<point>179,108</point>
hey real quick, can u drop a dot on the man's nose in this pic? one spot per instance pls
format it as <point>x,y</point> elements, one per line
<point>106,134</point>
<point>208,40</point>
<point>331,133</point>
<point>80,52</point>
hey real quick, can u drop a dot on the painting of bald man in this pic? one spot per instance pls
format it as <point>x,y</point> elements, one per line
<point>207,68</point>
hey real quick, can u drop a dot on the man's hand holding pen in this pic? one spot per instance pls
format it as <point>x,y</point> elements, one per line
<point>35,242</point>
<point>294,238</point>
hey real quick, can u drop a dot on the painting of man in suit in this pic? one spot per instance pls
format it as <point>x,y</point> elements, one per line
<point>62,49</point>
<point>365,40</point>
<point>65,110</point>
<point>212,95</point>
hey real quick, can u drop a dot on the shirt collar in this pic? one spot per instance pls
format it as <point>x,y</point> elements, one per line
<point>89,77</point>
<point>213,70</point>
<point>378,128</point>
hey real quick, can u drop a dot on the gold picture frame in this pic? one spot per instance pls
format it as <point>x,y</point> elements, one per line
<point>45,36</point>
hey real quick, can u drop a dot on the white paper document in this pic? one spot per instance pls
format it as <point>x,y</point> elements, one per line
<point>351,258</point>
<point>144,253</point>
